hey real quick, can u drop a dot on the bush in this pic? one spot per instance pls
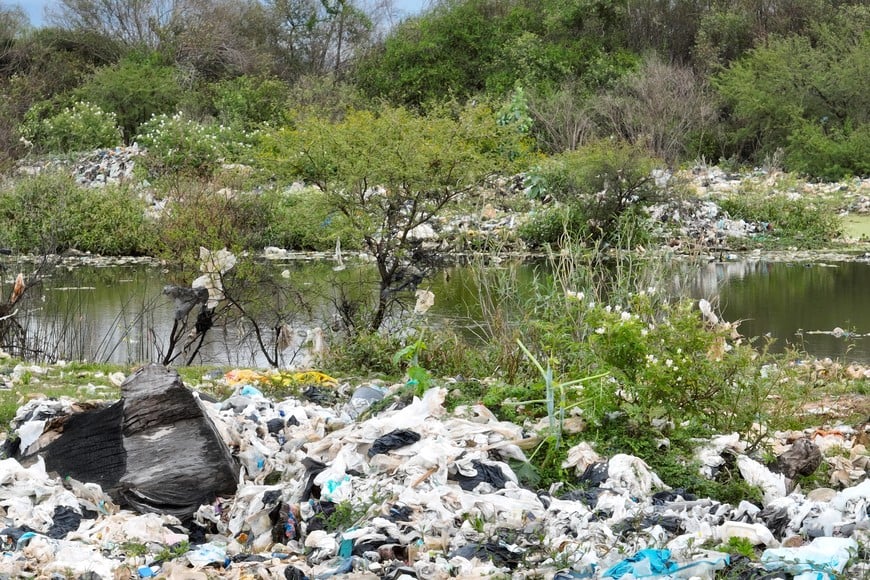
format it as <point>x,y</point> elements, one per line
<point>550,225</point>
<point>49,213</point>
<point>364,353</point>
<point>779,95</point>
<point>81,127</point>
<point>135,89</point>
<point>114,223</point>
<point>661,107</point>
<point>791,219</point>
<point>177,144</point>
<point>195,215</point>
<point>247,102</point>
<point>832,154</point>
<point>603,180</point>
<point>303,220</point>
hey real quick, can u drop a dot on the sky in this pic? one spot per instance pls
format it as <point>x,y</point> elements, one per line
<point>35,9</point>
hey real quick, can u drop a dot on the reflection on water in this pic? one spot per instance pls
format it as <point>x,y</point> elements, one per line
<point>795,303</point>
<point>119,314</point>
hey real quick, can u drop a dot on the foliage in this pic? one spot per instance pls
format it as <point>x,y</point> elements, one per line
<point>661,107</point>
<point>177,144</point>
<point>364,353</point>
<point>563,119</point>
<point>548,226</point>
<point>247,102</point>
<point>392,171</point>
<point>197,216</point>
<point>673,373</point>
<point>132,23</point>
<point>303,220</point>
<point>318,37</point>
<point>790,219</point>
<point>49,213</point>
<point>81,127</point>
<point>474,47</point>
<point>603,181</point>
<point>829,153</point>
<point>135,89</point>
<point>796,86</point>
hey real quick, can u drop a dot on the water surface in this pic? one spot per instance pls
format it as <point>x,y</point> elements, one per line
<point>119,314</point>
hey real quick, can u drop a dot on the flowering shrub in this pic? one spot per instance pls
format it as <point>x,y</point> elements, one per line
<point>81,127</point>
<point>179,144</point>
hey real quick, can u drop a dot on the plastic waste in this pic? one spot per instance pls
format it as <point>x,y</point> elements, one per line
<point>363,398</point>
<point>754,533</point>
<point>821,558</point>
<point>772,484</point>
<point>206,554</point>
<point>647,562</point>
<point>64,520</point>
<point>250,391</point>
<point>481,473</point>
<point>803,458</point>
<point>633,474</point>
<point>393,440</point>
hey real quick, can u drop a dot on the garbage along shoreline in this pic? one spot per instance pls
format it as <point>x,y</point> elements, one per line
<point>332,487</point>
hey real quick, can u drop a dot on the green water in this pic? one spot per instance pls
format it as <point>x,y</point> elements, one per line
<point>119,314</point>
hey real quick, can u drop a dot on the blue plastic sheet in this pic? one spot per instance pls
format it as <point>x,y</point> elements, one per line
<point>648,562</point>
<point>651,563</point>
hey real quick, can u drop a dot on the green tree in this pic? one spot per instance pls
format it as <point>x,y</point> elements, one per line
<point>247,102</point>
<point>603,181</point>
<point>813,83</point>
<point>391,171</point>
<point>135,89</point>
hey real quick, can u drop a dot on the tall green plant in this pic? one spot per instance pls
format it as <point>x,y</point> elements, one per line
<point>80,127</point>
<point>390,172</point>
<point>604,181</point>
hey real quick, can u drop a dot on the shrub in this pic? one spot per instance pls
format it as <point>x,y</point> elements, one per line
<point>661,107</point>
<point>178,144</point>
<point>195,215</point>
<point>80,127</point>
<point>363,353</point>
<point>781,93</point>
<point>604,180</point>
<point>114,223</point>
<point>49,213</point>
<point>247,102</point>
<point>549,226</point>
<point>135,89</point>
<point>791,219</point>
<point>37,213</point>
<point>304,220</point>
<point>829,153</point>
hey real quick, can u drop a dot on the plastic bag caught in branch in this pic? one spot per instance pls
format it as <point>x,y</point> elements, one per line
<point>214,265</point>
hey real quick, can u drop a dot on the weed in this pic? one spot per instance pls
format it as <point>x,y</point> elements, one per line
<point>740,547</point>
<point>134,549</point>
<point>173,551</point>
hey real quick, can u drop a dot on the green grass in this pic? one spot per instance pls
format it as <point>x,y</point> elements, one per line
<point>857,227</point>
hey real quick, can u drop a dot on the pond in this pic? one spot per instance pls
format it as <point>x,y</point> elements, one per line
<point>119,314</point>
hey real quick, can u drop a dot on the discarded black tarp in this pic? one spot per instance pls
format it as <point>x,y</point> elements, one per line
<point>803,458</point>
<point>155,450</point>
<point>491,474</point>
<point>393,440</point>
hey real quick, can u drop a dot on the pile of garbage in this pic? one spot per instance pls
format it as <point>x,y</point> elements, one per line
<point>95,169</point>
<point>332,485</point>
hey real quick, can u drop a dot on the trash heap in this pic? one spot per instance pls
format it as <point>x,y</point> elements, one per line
<point>96,168</point>
<point>346,481</point>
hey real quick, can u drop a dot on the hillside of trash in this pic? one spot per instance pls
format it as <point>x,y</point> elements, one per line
<point>346,480</point>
